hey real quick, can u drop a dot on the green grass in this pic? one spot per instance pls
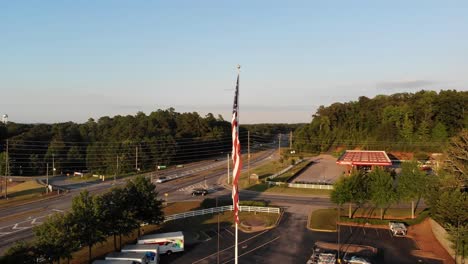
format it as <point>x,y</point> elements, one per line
<point>323,219</point>
<point>207,222</point>
<point>391,213</point>
<point>262,171</point>
<point>263,187</point>
<point>291,173</point>
<point>24,191</point>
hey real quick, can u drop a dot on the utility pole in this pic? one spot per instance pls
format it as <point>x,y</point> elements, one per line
<point>217,256</point>
<point>7,161</point>
<point>279,144</point>
<point>116,168</point>
<point>248,155</point>
<point>53,164</point>
<point>136,158</point>
<point>228,167</point>
<point>290,140</point>
<point>47,178</point>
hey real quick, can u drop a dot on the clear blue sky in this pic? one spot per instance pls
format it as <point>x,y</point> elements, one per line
<point>71,60</point>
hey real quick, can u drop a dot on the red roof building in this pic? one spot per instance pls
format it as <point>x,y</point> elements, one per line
<point>364,158</point>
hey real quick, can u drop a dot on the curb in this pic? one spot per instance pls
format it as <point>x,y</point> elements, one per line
<point>264,228</point>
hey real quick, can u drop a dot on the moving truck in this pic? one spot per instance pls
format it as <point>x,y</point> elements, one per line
<point>151,250</point>
<point>113,262</point>
<point>136,257</point>
<point>168,242</point>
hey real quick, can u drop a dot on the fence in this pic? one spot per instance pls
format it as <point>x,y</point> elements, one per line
<point>213,210</point>
<point>303,185</point>
<point>284,170</point>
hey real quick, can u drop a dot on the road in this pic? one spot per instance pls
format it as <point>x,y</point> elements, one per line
<point>16,222</point>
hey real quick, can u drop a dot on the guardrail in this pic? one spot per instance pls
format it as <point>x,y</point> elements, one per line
<point>303,185</point>
<point>213,210</point>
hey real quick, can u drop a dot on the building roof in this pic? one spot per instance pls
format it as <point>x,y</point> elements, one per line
<point>364,157</point>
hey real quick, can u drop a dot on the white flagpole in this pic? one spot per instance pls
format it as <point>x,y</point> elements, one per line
<point>236,250</point>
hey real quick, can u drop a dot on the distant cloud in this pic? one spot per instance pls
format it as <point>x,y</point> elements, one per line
<point>396,85</point>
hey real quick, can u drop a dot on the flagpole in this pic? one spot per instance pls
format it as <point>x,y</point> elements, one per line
<point>236,250</point>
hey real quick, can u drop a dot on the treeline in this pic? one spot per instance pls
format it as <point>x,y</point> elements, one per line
<point>444,192</point>
<point>91,220</point>
<point>139,142</point>
<point>405,121</point>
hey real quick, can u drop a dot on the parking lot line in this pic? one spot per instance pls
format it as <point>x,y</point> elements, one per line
<point>227,230</point>
<point>253,249</point>
<point>250,238</point>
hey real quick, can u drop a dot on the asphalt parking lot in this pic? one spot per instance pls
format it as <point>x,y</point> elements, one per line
<point>323,169</point>
<point>292,242</point>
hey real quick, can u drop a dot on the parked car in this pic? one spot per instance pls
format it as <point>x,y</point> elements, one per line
<point>199,191</point>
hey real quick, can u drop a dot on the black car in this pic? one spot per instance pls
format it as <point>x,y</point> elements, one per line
<point>199,191</point>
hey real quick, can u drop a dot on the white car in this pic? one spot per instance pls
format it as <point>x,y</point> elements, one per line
<point>162,179</point>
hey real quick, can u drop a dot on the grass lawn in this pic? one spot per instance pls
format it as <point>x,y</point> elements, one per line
<point>391,213</point>
<point>262,171</point>
<point>180,207</point>
<point>23,191</point>
<point>327,218</point>
<point>323,219</point>
<point>263,187</point>
<point>285,177</point>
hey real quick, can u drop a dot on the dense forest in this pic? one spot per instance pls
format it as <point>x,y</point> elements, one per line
<point>404,121</point>
<point>135,142</point>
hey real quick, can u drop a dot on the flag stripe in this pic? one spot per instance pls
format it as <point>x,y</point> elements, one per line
<point>236,154</point>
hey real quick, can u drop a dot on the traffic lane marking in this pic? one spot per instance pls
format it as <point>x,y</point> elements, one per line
<point>230,247</point>
<point>256,248</point>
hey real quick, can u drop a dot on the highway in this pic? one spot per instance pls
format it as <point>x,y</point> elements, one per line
<point>16,222</point>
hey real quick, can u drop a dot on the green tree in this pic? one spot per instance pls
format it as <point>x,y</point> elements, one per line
<point>412,184</point>
<point>20,253</point>
<point>341,193</point>
<point>359,185</point>
<point>86,219</point>
<point>382,191</point>
<point>457,158</point>
<point>451,211</point>
<point>117,218</point>
<point>423,131</point>
<point>439,132</point>
<point>406,130</point>
<point>54,238</point>
<point>143,200</point>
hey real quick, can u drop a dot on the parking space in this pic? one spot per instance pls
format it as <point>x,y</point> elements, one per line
<point>292,242</point>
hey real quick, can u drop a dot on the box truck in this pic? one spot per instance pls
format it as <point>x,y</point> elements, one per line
<point>113,262</point>
<point>136,257</point>
<point>168,242</point>
<point>151,250</point>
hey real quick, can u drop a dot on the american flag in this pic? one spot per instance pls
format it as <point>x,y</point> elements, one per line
<point>236,154</point>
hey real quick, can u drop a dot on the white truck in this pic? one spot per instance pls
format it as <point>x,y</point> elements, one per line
<point>135,257</point>
<point>113,262</point>
<point>397,229</point>
<point>151,251</point>
<point>168,242</point>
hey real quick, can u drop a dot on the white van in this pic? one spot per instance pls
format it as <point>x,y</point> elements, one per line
<point>151,250</point>
<point>168,242</point>
<point>136,257</point>
<point>113,262</point>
